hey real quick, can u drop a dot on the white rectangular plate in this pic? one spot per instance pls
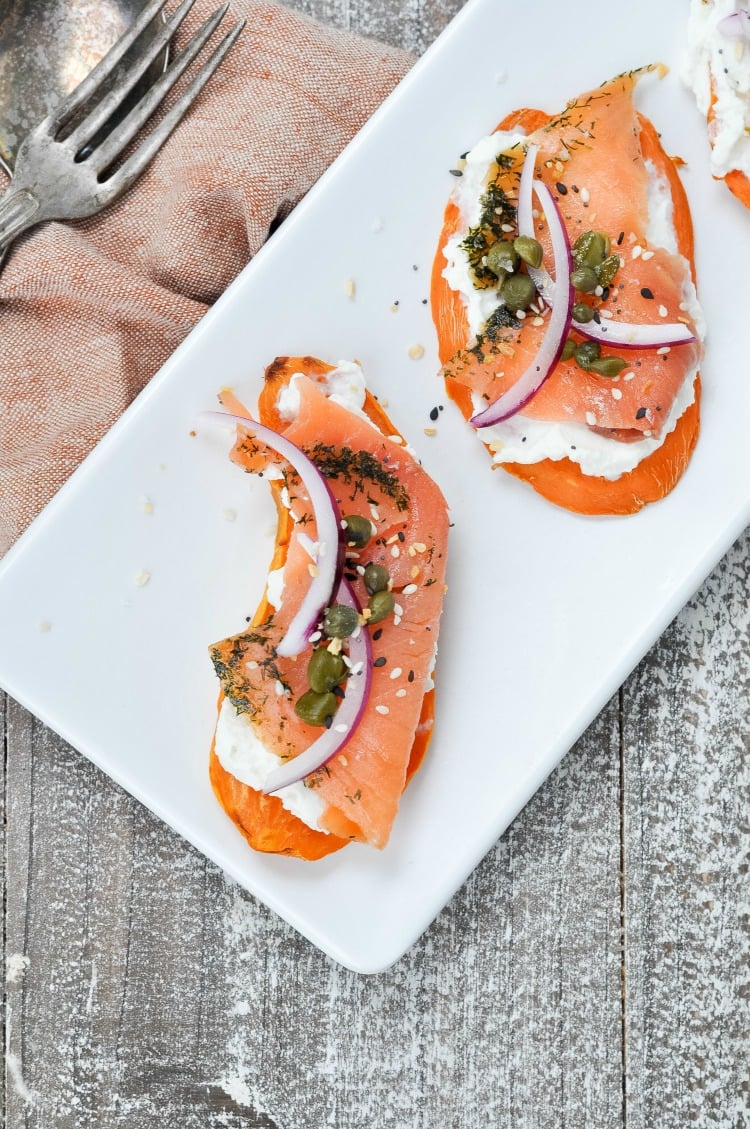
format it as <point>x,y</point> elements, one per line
<point>546,612</point>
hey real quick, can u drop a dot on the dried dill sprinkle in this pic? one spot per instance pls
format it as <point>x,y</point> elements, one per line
<point>434,414</point>
<point>646,293</point>
<point>380,662</point>
<point>562,188</point>
<point>640,413</point>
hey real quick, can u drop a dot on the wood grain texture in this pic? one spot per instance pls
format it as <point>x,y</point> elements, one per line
<point>144,988</point>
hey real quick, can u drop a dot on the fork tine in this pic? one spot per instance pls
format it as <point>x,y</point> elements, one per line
<point>101,113</point>
<point>65,110</point>
<point>115,142</point>
<point>135,164</point>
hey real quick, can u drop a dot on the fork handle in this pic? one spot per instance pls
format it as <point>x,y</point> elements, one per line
<point>18,207</point>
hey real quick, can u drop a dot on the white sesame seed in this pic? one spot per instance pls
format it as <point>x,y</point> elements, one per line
<point>585,195</point>
<point>605,314</point>
<point>663,311</point>
<point>430,431</point>
<point>396,439</point>
<point>508,227</point>
<point>396,672</point>
<point>628,375</point>
<point>663,351</point>
<point>361,570</point>
<point>228,515</point>
<point>420,547</point>
<point>616,393</point>
<point>358,668</point>
<point>374,512</point>
<point>395,551</point>
<point>538,320</point>
<point>397,620</point>
<point>350,288</point>
<point>398,609</point>
<point>342,728</point>
<point>377,225</point>
<point>279,687</point>
<point>44,625</point>
<point>590,419</point>
<point>636,252</point>
<point>521,315</point>
<point>401,693</point>
<point>409,589</point>
<point>312,569</point>
<point>416,351</point>
<point>647,255</point>
<point>382,710</point>
<point>141,577</point>
<point>598,290</point>
<point>315,636</point>
<point>148,506</point>
<point>251,665</point>
<point>648,434</point>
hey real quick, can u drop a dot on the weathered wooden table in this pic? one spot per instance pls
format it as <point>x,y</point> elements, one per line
<point>594,971</point>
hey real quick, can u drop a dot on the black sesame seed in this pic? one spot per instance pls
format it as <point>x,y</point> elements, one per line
<point>605,294</point>
<point>574,188</point>
<point>380,662</point>
<point>377,633</point>
<point>455,172</point>
<point>401,536</point>
<point>328,720</point>
<point>620,238</point>
<point>646,293</point>
<point>640,413</point>
<point>562,188</point>
<point>410,676</point>
<point>434,414</point>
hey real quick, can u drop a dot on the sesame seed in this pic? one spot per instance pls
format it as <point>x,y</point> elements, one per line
<point>521,315</point>
<point>396,439</point>
<point>401,693</point>
<point>646,292</point>
<point>409,589</point>
<point>605,313</point>
<point>251,665</point>
<point>374,512</point>
<point>647,255</point>
<point>312,569</point>
<point>395,551</point>
<point>616,393</point>
<point>228,515</point>
<point>585,195</point>
<point>279,687</point>
<point>628,375</point>
<point>538,321</point>
<point>398,609</point>
<point>663,351</point>
<point>148,506</point>
<point>342,728</point>
<point>397,620</point>
<point>44,625</point>
<point>381,661</point>
<point>590,419</point>
<point>636,252</point>
<point>382,710</point>
<point>141,577</point>
<point>508,227</point>
<point>316,635</point>
<point>410,676</point>
<point>416,352</point>
<point>663,311</point>
<point>396,672</point>
<point>414,571</point>
<point>350,288</point>
<point>648,434</point>
<point>430,431</point>
<point>420,547</point>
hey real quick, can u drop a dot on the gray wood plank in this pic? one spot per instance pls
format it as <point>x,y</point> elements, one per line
<point>687,857</point>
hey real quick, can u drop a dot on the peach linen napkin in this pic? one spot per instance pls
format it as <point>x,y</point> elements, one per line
<point>90,310</point>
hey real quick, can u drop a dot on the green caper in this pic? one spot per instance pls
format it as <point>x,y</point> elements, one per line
<point>587,353</point>
<point>324,670</point>
<point>584,278</point>
<point>607,366</point>
<point>582,313</point>
<point>589,249</point>
<point>381,604</point>
<point>376,578</point>
<point>607,270</point>
<point>529,249</point>
<point>314,708</point>
<point>518,292</point>
<point>502,256</point>
<point>569,349</point>
<point>340,621</point>
<point>358,530</point>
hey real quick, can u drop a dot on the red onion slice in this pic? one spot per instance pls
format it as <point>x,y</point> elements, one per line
<point>327,522</point>
<point>347,716</point>
<point>558,325</point>
<point>623,334</point>
<point>540,276</point>
<point>736,25</point>
<point>634,336</point>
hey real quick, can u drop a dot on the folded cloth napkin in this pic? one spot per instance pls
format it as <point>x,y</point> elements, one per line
<point>90,310</point>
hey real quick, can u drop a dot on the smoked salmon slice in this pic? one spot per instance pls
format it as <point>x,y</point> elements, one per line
<point>373,476</point>
<point>599,439</point>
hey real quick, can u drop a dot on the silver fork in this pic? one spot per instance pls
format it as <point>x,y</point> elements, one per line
<point>66,176</point>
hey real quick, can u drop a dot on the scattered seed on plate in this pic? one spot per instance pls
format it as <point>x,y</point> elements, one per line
<point>416,352</point>
<point>148,506</point>
<point>350,288</point>
<point>430,431</point>
<point>44,625</point>
<point>141,577</point>
<point>229,515</point>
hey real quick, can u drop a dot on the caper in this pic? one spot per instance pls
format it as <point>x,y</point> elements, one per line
<point>589,249</point>
<point>358,530</point>
<point>584,278</point>
<point>607,366</point>
<point>518,292</point>
<point>340,621</point>
<point>381,604</point>
<point>376,578</point>
<point>502,256</point>
<point>314,708</point>
<point>586,353</point>
<point>324,670</point>
<point>607,270</point>
<point>529,249</point>
<point>582,312</point>
<point>569,349</point>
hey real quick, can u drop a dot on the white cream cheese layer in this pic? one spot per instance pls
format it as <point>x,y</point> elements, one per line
<point>242,753</point>
<point>522,439</point>
<point>717,65</point>
<point>344,385</point>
